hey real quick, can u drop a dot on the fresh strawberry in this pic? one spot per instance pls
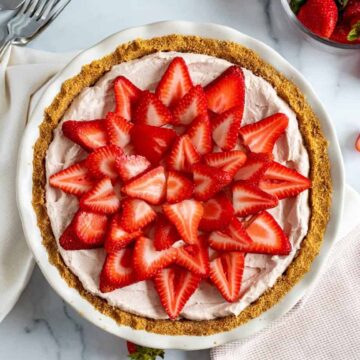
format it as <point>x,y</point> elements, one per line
<point>126,94</point>
<point>178,187</point>
<point>225,128</point>
<point>175,82</point>
<point>261,136</point>
<point>149,186</point>
<point>101,162</point>
<point>208,181</point>
<point>165,233</point>
<point>192,105</point>
<point>200,134</point>
<point>131,165</point>
<point>186,216</point>
<point>218,213</point>
<point>117,129</point>
<point>131,347</point>
<point>175,286</point>
<point>227,91</point>
<point>74,180</point>
<point>152,141</point>
<point>357,143</point>
<point>151,111</point>
<point>88,134</point>
<point>254,168</point>
<point>136,214</point>
<point>341,34</point>
<point>351,14</point>
<point>283,182</point>
<point>143,353</point>
<point>226,273</point>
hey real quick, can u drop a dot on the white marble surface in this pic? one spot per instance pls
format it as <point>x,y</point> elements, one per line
<point>42,326</point>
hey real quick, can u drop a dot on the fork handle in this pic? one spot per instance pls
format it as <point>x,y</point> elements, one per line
<point>5,45</point>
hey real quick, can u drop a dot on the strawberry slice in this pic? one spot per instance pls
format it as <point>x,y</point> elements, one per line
<point>178,187</point>
<point>117,129</point>
<point>131,166</point>
<point>226,273</point>
<point>175,286</point>
<point>151,111</point>
<point>186,216</point>
<point>254,168</point>
<point>225,128</point>
<point>208,181</point>
<point>149,186</point>
<point>183,154</point>
<point>249,199</point>
<point>282,182</point>
<point>148,261</point>
<point>165,233</point>
<point>74,180</point>
<point>175,82</point>
<point>126,94</point>
<point>136,214</point>
<point>200,134</point>
<point>192,105</point>
<point>101,162</point>
<point>229,161</point>
<point>151,141</point>
<point>261,136</point>
<point>218,213</point>
<point>117,237</point>
<point>88,134</point>
<point>227,91</point>
<point>357,143</point>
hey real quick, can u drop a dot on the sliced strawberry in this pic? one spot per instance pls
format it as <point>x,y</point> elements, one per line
<point>151,141</point>
<point>192,105</point>
<point>70,241</point>
<point>151,111</point>
<point>261,136</point>
<point>131,165</point>
<point>282,182</point>
<point>186,216</point>
<point>357,143</point>
<point>218,213</point>
<point>175,82</point>
<point>249,199</point>
<point>74,180</point>
<point>226,273</point>
<point>165,233</point>
<point>208,181</point>
<point>101,162</point>
<point>126,94</point>
<point>136,214</point>
<point>200,134</point>
<point>149,186</point>
<point>88,134</point>
<point>175,286</point>
<point>254,168</point>
<point>225,128</point>
<point>227,91</point>
<point>178,187</point>
<point>117,129</point>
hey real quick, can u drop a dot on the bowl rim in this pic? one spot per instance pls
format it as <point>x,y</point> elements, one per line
<point>28,217</point>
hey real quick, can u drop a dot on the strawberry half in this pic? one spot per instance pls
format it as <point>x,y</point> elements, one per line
<point>117,129</point>
<point>254,168</point>
<point>131,166</point>
<point>200,134</point>
<point>165,233</point>
<point>178,187</point>
<point>261,136</point>
<point>175,82</point>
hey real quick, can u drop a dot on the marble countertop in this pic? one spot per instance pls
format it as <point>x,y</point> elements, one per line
<point>42,326</point>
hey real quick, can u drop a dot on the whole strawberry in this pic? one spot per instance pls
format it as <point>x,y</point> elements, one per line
<point>351,13</point>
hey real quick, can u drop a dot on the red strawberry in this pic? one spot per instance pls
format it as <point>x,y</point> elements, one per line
<point>227,91</point>
<point>178,187</point>
<point>70,241</point>
<point>175,286</point>
<point>131,166</point>
<point>147,261</point>
<point>226,273</point>
<point>165,233</point>
<point>88,134</point>
<point>208,181</point>
<point>357,143</point>
<point>351,13</point>
<point>101,162</point>
<point>117,129</point>
<point>186,216</point>
<point>225,128</point>
<point>249,199</point>
<point>74,180</point>
<point>192,105</point>
<point>341,33</point>
<point>261,136</point>
<point>151,111</point>
<point>149,186</point>
<point>282,182</point>
<point>126,94</point>
<point>131,347</point>
<point>175,83</point>
<point>218,213</point>
<point>254,168</point>
<point>136,214</point>
<point>151,141</point>
<point>200,134</point>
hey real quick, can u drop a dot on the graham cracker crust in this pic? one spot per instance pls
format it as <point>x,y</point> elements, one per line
<point>315,142</point>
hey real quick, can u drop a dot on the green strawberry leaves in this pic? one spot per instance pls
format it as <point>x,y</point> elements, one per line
<point>296,5</point>
<point>354,33</point>
<point>342,4</point>
<point>145,353</point>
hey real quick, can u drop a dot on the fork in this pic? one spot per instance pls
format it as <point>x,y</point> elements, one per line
<point>10,4</point>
